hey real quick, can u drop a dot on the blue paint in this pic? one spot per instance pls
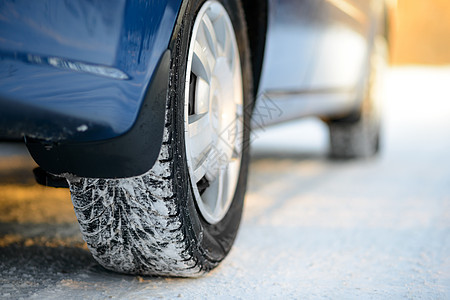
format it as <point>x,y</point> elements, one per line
<point>88,61</point>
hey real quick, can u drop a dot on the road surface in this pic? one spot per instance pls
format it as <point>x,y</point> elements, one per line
<point>312,228</point>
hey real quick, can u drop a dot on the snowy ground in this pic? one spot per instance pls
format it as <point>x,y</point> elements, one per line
<point>312,228</point>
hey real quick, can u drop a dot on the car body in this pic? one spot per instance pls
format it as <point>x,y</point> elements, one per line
<point>80,72</point>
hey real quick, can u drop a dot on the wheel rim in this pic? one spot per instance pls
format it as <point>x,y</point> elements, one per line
<point>213,112</point>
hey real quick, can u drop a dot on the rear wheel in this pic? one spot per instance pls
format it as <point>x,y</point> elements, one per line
<point>358,135</point>
<point>181,217</point>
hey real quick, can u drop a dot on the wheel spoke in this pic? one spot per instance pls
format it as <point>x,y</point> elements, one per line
<point>204,39</point>
<point>202,90</point>
<point>210,34</point>
<point>200,133</point>
<point>200,64</point>
<point>224,38</point>
<point>237,149</point>
<point>198,124</point>
<point>201,169</point>
<point>228,52</point>
<point>233,169</point>
<point>220,191</point>
<point>213,196</point>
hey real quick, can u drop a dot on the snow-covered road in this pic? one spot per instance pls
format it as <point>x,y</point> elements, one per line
<point>312,228</point>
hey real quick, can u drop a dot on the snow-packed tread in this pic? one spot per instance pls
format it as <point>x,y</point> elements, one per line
<point>132,225</point>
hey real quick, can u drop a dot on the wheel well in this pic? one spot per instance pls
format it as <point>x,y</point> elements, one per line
<point>256,18</point>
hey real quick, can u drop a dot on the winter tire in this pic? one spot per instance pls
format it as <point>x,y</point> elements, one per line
<point>182,216</point>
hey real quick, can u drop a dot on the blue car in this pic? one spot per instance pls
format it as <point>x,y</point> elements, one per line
<point>144,109</point>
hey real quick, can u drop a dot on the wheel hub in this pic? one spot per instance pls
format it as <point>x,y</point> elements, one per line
<point>214,126</point>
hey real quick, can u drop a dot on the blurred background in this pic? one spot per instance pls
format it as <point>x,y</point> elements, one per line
<point>421,32</point>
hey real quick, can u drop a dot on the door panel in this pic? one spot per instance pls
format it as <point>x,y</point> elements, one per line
<point>315,58</point>
<point>292,36</point>
<point>342,50</point>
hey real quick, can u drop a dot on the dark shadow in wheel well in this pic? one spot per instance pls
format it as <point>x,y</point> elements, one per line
<point>256,19</point>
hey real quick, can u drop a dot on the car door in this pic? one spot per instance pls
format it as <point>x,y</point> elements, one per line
<point>342,51</point>
<point>292,36</point>
<point>315,58</point>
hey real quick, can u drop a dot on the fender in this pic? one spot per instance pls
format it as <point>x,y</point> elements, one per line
<point>131,154</point>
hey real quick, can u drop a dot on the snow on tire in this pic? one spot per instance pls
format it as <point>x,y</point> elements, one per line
<point>132,225</point>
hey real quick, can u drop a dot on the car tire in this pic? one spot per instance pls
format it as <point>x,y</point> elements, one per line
<point>155,224</point>
<point>358,135</point>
